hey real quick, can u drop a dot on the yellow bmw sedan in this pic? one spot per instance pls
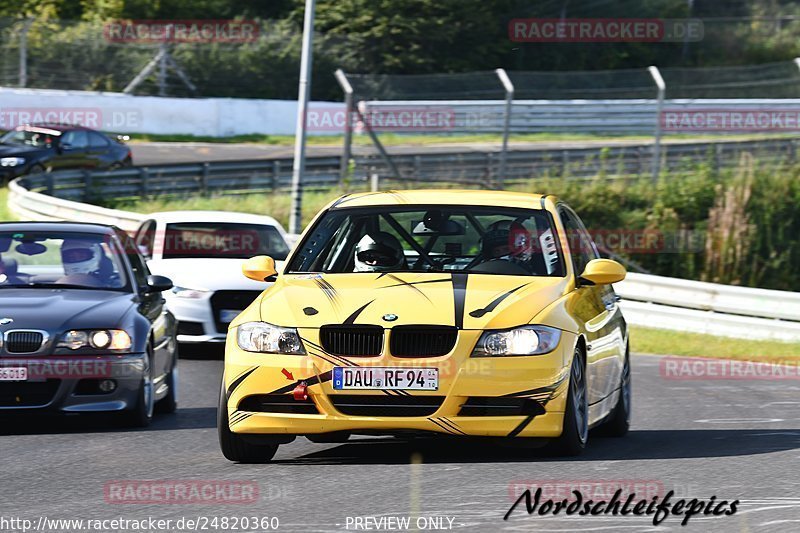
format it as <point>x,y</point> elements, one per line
<point>464,313</point>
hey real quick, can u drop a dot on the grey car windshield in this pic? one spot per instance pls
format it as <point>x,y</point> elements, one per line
<point>60,260</point>
<point>477,239</point>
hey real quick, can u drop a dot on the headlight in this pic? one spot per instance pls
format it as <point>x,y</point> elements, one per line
<point>266,338</point>
<point>11,161</point>
<point>525,340</point>
<point>185,292</point>
<point>100,339</point>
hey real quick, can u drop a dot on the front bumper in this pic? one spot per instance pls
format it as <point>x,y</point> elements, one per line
<point>541,379</point>
<point>67,384</point>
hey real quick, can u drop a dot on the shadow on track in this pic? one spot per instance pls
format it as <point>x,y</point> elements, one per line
<point>183,418</point>
<point>638,445</point>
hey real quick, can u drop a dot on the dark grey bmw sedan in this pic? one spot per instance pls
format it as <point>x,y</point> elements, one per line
<point>83,325</point>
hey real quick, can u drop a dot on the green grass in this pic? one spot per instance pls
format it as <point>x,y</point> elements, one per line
<point>275,205</point>
<point>659,341</point>
<point>4,214</point>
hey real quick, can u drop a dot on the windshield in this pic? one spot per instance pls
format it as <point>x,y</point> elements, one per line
<point>485,240</point>
<point>34,138</point>
<point>222,239</point>
<point>55,259</point>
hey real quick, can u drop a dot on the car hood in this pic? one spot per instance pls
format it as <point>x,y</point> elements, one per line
<point>61,309</point>
<point>209,274</point>
<point>21,150</point>
<point>473,301</point>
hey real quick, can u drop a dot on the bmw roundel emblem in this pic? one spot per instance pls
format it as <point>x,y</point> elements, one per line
<point>5,321</point>
<point>389,317</point>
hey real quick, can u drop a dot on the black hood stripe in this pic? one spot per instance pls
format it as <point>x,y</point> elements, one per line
<point>402,282</point>
<point>459,297</point>
<point>352,318</point>
<point>238,381</point>
<point>329,290</point>
<point>477,313</point>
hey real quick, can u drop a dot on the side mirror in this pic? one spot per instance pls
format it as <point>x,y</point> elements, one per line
<point>64,147</point>
<point>158,284</point>
<point>603,272</point>
<point>260,268</point>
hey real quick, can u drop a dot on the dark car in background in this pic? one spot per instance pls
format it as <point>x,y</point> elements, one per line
<point>83,325</point>
<point>36,148</point>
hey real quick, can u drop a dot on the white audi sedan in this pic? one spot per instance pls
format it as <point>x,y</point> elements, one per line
<point>202,253</point>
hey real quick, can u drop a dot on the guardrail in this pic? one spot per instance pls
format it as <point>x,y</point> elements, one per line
<point>474,168</point>
<point>712,308</point>
<point>620,116</point>
<point>31,205</point>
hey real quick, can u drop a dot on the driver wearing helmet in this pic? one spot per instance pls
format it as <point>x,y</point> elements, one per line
<point>85,264</point>
<point>379,252</point>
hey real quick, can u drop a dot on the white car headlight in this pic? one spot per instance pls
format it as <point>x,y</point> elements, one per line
<point>525,340</point>
<point>11,161</point>
<point>265,338</point>
<point>185,292</point>
<point>99,339</point>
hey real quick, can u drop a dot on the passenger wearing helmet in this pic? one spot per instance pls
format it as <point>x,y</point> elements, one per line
<point>507,248</point>
<point>379,252</point>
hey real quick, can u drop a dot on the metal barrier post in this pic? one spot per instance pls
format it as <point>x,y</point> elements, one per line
<point>23,52</point>
<point>344,83</point>
<point>659,81</point>
<point>303,90</point>
<point>509,88</point>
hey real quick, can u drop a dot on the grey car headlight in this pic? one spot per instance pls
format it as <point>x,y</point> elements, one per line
<point>99,339</point>
<point>525,340</point>
<point>12,161</point>
<point>265,338</point>
<point>186,292</point>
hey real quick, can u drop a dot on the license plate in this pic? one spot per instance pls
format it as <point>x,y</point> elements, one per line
<point>227,315</point>
<point>372,378</point>
<point>14,373</point>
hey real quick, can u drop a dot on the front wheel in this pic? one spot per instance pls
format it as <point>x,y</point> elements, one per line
<point>233,446</point>
<point>142,413</point>
<point>575,431</point>
<point>169,403</point>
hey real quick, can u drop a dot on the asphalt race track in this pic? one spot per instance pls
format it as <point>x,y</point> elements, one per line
<point>729,439</point>
<point>163,153</point>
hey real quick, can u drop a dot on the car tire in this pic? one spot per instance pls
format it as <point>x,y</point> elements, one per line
<point>233,446</point>
<point>575,431</point>
<point>142,413</point>
<point>619,422</point>
<point>36,169</point>
<point>169,403</point>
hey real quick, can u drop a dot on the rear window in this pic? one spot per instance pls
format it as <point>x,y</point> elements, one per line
<point>228,240</point>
